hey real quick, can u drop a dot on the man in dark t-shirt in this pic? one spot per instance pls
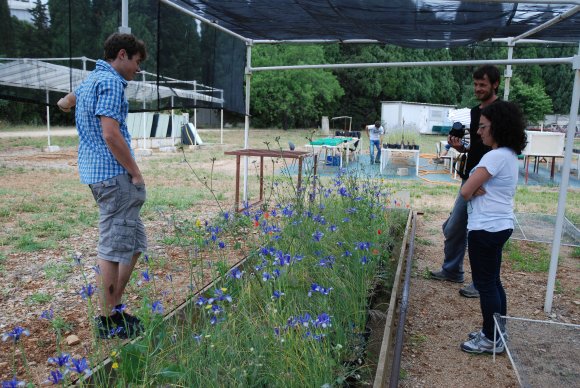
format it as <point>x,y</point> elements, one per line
<point>485,84</point>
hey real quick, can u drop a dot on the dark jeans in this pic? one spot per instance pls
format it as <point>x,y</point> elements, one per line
<point>455,232</point>
<point>485,258</point>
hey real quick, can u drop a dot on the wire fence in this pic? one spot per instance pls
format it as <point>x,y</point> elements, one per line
<point>543,353</point>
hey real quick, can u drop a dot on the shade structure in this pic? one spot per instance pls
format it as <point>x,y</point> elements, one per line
<point>407,23</point>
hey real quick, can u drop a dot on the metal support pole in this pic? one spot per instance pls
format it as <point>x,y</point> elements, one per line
<point>172,124</point>
<point>124,28</point>
<point>48,118</point>
<point>248,72</point>
<point>570,133</point>
<point>194,105</point>
<point>508,71</point>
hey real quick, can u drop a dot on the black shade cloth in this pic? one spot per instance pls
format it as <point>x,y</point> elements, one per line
<point>407,23</point>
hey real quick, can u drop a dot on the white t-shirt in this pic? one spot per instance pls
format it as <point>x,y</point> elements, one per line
<point>374,132</point>
<point>494,211</point>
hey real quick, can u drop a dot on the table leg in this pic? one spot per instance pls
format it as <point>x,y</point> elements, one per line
<point>526,166</point>
<point>417,164</point>
<point>552,169</point>
<point>300,172</point>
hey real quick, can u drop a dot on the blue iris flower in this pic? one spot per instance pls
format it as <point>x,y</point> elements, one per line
<point>55,377</point>
<point>236,273</point>
<point>146,276</point>
<point>87,291</point>
<point>197,337</point>
<point>277,294</point>
<point>333,228</point>
<point>222,244</point>
<point>47,314</point>
<point>316,236</point>
<point>157,307</point>
<point>364,260</point>
<point>97,269</point>
<point>323,320</point>
<point>77,258</point>
<point>14,383</point>
<point>266,276</point>
<point>201,301</point>
<point>80,365</point>
<point>61,360</point>
<point>119,308</point>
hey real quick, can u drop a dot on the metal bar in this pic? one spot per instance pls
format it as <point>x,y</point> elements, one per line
<point>557,19</point>
<point>396,366</point>
<point>207,21</point>
<point>247,116</point>
<point>563,186</point>
<point>535,61</point>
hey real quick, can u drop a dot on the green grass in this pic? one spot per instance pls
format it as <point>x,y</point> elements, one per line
<point>38,298</point>
<point>535,258</point>
<point>57,271</point>
<point>38,142</point>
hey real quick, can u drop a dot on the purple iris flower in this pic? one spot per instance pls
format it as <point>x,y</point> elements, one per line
<point>222,244</point>
<point>60,361</point>
<point>266,276</point>
<point>87,291</point>
<point>364,260</point>
<point>157,307</point>
<point>277,294</point>
<point>146,276</point>
<point>201,301</point>
<point>80,365</point>
<point>14,383</point>
<point>15,334</point>
<point>236,273</point>
<point>55,377</point>
<point>317,235</point>
<point>47,314</point>
<point>119,308</point>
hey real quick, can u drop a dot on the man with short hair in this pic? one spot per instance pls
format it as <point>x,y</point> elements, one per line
<point>106,163</point>
<point>375,133</point>
<point>486,81</point>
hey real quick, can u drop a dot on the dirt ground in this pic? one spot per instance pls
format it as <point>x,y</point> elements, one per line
<point>438,317</point>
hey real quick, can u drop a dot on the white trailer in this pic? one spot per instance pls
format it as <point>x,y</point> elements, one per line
<point>415,116</point>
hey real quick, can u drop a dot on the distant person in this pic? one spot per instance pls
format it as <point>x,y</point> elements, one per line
<point>489,193</point>
<point>375,132</point>
<point>106,163</point>
<point>485,84</point>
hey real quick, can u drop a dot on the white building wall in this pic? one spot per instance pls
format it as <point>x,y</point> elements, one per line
<point>21,8</point>
<point>413,116</point>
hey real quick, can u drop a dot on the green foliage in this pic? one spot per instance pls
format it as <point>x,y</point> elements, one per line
<point>57,271</point>
<point>534,258</point>
<point>38,298</point>
<point>291,98</point>
<point>533,100</point>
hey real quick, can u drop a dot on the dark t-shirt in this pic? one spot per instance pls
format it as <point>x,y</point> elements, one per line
<point>476,147</point>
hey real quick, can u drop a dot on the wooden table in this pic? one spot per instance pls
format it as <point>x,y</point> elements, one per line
<point>261,153</point>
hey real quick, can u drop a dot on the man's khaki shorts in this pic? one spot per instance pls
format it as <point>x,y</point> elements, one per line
<point>121,231</point>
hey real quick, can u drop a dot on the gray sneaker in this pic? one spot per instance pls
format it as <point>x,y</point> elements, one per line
<point>474,334</point>
<point>442,275</point>
<point>481,344</point>
<point>469,291</point>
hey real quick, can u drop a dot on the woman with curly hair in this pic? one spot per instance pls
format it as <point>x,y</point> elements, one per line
<point>490,192</point>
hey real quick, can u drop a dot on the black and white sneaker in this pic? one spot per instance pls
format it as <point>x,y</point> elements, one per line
<point>481,344</point>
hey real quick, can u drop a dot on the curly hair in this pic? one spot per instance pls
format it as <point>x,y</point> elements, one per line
<point>117,41</point>
<point>507,125</point>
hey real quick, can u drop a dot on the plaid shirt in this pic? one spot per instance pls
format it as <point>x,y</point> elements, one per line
<point>102,93</point>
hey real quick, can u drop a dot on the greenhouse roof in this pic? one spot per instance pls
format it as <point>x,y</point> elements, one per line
<point>407,23</point>
<point>42,75</point>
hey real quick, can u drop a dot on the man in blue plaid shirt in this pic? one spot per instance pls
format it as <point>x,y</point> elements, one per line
<point>106,163</point>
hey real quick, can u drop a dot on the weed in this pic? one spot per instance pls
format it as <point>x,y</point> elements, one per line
<point>558,289</point>
<point>418,339</point>
<point>38,298</point>
<point>57,271</point>
<point>423,241</point>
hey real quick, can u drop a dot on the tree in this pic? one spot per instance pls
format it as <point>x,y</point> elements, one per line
<point>7,41</point>
<point>533,100</point>
<point>294,97</point>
